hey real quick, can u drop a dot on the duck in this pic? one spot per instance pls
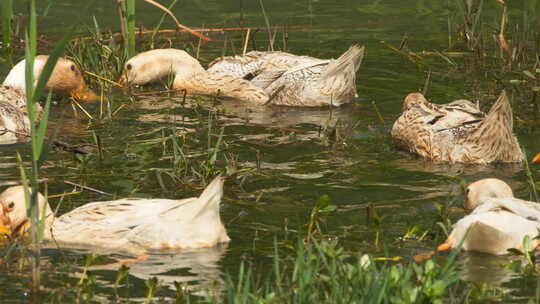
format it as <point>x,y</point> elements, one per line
<point>457,132</point>
<point>294,80</point>
<point>189,75</point>
<point>498,220</point>
<point>65,80</point>
<point>126,225</point>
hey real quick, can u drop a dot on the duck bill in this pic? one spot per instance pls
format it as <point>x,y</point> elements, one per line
<point>85,94</point>
<point>536,158</point>
<point>5,225</point>
<point>123,80</point>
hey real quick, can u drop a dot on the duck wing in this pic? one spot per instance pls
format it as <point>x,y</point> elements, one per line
<point>416,128</point>
<point>108,223</point>
<point>261,68</point>
<point>240,66</point>
<point>525,209</point>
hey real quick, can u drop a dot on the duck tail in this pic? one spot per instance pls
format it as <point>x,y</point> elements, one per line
<point>210,198</point>
<point>349,61</point>
<point>496,133</point>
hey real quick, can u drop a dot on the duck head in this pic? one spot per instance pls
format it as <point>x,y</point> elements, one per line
<point>413,98</point>
<point>66,79</point>
<point>14,215</point>
<point>479,191</point>
<point>153,65</point>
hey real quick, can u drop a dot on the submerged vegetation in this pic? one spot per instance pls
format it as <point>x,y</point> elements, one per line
<point>329,247</point>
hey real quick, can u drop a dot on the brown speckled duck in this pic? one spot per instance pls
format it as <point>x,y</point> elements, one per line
<point>131,225</point>
<point>65,80</point>
<point>188,74</point>
<point>294,80</point>
<point>458,131</point>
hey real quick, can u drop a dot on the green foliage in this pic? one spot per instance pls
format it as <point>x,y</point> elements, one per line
<point>7,32</point>
<point>37,135</point>
<point>325,273</point>
<point>129,23</point>
<point>322,207</point>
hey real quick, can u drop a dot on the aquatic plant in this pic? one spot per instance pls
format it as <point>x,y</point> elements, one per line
<point>7,32</point>
<point>37,135</point>
<point>325,273</point>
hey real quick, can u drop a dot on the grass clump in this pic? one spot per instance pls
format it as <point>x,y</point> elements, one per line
<point>324,273</point>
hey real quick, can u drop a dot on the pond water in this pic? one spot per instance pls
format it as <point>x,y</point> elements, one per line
<point>297,155</point>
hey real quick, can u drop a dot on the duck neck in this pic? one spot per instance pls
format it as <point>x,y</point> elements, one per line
<point>17,76</point>
<point>186,76</point>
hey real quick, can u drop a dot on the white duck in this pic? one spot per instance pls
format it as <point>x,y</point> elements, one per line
<point>189,75</point>
<point>498,222</point>
<point>65,80</point>
<point>297,80</point>
<point>131,225</point>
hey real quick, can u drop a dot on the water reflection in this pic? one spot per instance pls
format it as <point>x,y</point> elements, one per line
<point>486,268</point>
<point>241,113</point>
<point>199,267</point>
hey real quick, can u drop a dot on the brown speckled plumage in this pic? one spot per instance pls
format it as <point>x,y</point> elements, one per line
<point>458,131</point>
<point>14,124</point>
<point>297,80</point>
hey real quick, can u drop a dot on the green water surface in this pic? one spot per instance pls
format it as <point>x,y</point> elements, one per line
<point>292,170</point>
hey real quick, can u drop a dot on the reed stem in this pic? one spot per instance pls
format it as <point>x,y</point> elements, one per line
<point>7,32</point>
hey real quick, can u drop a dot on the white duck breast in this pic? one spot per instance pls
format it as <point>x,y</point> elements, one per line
<point>494,232</point>
<point>498,222</point>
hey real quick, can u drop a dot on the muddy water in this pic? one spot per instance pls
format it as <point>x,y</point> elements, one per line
<point>296,155</point>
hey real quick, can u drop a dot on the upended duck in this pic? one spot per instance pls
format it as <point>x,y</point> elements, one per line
<point>498,222</point>
<point>297,80</point>
<point>65,80</point>
<point>127,225</point>
<point>458,131</point>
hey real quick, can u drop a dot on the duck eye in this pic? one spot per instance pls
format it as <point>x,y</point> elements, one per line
<point>128,66</point>
<point>11,205</point>
<point>72,67</point>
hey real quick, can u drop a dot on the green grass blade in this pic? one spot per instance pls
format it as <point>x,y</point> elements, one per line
<point>130,27</point>
<point>7,32</point>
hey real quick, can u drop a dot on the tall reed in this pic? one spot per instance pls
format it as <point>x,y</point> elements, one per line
<point>130,28</point>
<point>7,19</point>
<point>34,90</point>
<point>126,13</point>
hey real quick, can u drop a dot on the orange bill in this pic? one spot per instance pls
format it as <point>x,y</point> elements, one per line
<point>5,229</point>
<point>123,79</point>
<point>536,158</point>
<point>426,255</point>
<point>84,94</point>
<point>444,247</point>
